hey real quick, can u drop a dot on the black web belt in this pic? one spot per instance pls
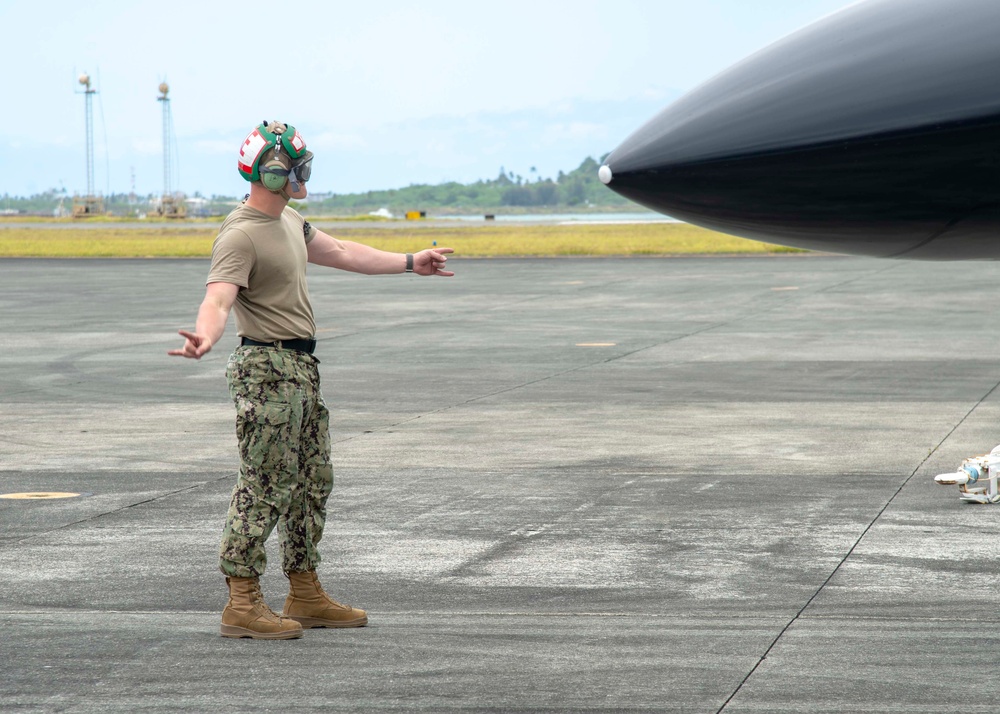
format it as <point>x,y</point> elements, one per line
<point>308,346</point>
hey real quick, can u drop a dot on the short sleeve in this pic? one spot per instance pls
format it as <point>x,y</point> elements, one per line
<point>232,259</point>
<point>308,231</point>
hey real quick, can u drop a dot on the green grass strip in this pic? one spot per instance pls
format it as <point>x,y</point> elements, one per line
<point>472,240</point>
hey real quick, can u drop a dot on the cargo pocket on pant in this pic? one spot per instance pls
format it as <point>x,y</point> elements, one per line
<point>268,413</point>
<point>264,433</point>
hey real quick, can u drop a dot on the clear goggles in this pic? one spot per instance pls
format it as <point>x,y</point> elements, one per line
<point>302,170</point>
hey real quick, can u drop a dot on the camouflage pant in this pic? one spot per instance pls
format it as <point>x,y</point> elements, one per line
<point>283,428</point>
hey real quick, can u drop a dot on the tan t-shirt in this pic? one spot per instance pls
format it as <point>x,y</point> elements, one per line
<point>267,258</point>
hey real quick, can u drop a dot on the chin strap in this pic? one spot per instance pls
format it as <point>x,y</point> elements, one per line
<point>284,194</point>
<point>281,192</point>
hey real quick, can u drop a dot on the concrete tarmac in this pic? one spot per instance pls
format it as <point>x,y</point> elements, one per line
<point>672,485</point>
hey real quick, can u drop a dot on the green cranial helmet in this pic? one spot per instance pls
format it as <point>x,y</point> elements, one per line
<point>270,152</point>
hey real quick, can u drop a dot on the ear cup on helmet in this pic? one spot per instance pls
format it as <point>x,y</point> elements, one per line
<point>274,171</point>
<point>273,181</point>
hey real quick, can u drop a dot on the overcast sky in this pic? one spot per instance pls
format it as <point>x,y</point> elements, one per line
<point>386,93</point>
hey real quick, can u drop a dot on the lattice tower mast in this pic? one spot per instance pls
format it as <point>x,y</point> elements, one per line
<point>88,94</point>
<point>167,180</point>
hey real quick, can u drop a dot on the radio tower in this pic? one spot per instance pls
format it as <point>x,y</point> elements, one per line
<point>90,204</point>
<point>170,206</point>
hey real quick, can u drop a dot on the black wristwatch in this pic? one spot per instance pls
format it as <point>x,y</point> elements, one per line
<point>409,262</point>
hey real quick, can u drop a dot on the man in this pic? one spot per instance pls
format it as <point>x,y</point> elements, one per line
<point>259,270</point>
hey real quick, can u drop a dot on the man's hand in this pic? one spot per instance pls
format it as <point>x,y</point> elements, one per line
<point>195,345</point>
<point>431,262</point>
<point>211,322</point>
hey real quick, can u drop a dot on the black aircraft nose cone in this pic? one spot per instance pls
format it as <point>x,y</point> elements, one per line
<point>874,131</point>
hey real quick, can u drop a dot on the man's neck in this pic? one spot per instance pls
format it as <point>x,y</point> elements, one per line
<point>265,201</point>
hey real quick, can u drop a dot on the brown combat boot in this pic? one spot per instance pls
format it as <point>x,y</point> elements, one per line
<point>247,615</point>
<point>309,605</point>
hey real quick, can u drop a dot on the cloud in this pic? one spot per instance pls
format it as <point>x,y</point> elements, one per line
<point>216,147</point>
<point>335,141</point>
<point>573,131</point>
<point>147,147</point>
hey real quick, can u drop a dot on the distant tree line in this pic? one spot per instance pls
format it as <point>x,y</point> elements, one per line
<point>58,202</point>
<point>579,190</point>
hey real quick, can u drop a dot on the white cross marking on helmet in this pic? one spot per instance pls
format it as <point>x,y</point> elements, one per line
<point>251,149</point>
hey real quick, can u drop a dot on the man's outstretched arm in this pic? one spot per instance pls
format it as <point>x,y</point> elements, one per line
<point>211,322</point>
<point>359,258</point>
